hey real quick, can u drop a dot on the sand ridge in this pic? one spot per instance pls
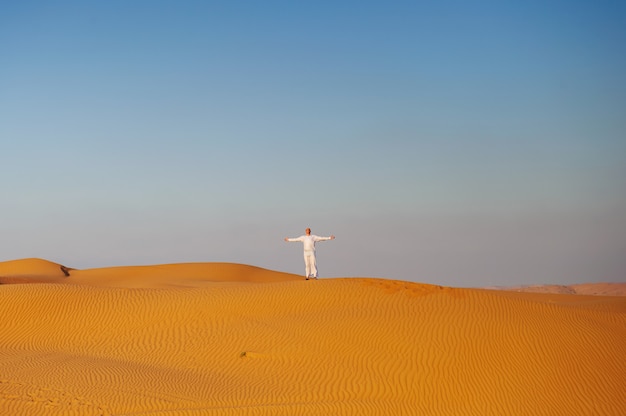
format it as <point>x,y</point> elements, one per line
<point>35,270</point>
<point>596,289</point>
<point>32,270</point>
<point>177,275</point>
<point>274,344</point>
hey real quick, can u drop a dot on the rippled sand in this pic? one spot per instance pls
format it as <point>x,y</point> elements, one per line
<point>228,339</point>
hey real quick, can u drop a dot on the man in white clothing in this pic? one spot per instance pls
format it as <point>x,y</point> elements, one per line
<point>309,241</point>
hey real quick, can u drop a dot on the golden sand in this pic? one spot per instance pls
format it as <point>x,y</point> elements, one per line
<point>599,289</point>
<point>227,339</point>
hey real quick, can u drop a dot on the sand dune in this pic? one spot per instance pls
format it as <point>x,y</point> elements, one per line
<point>224,339</point>
<point>177,275</point>
<point>32,270</point>
<point>597,289</point>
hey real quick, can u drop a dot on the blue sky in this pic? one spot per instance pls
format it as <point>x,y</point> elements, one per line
<point>459,143</point>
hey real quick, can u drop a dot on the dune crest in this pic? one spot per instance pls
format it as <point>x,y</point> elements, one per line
<point>224,339</point>
<point>177,275</point>
<point>596,289</point>
<point>152,276</point>
<point>32,270</point>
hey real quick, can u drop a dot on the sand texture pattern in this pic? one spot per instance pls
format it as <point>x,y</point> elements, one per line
<point>227,339</point>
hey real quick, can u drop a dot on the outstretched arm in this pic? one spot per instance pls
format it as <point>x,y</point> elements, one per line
<point>293,239</point>
<point>332,237</point>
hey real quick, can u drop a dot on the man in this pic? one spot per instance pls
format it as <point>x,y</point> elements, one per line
<point>309,241</point>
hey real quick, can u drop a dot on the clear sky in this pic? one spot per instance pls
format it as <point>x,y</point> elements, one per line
<point>461,143</point>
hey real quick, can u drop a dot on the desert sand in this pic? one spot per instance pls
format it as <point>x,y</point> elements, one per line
<point>600,289</point>
<point>230,339</point>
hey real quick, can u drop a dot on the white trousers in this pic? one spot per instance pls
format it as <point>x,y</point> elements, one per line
<point>310,267</point>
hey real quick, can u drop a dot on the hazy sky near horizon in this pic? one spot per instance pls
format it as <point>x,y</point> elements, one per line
<point>461,143</point>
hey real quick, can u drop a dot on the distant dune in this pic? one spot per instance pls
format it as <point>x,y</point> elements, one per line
<point>230,339</point>
<point>31,271</point>
<point>597,289</point>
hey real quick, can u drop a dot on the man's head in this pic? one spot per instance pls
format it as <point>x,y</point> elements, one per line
<point>308,231</point>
